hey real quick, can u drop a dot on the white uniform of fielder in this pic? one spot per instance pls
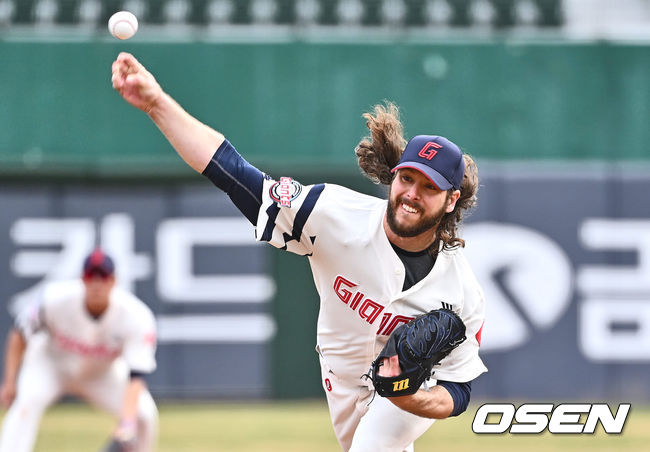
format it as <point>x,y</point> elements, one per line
<point>359,279</point>
<point>70,352</point>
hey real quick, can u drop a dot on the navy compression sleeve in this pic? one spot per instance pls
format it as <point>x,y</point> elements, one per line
<point>241,181</point>
<point>459,393</point>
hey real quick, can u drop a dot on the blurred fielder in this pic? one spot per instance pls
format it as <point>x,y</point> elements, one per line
<point>377,264</point>
<point>87,338</point>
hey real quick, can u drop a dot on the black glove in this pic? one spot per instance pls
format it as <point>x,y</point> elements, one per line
<point>419,345</point>
<point>123,439</point>
<point>115,445</point>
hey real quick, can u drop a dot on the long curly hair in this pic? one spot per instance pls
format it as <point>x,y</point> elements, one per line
<point>380,152</point>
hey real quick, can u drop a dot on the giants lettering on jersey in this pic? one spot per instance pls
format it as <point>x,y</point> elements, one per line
<point>367,309</point>
<point>73,346</point>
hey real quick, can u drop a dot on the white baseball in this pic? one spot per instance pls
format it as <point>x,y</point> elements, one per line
<point>123,25</point>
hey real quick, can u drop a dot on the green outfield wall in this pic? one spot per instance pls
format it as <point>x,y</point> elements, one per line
<point>299,103</point>
<point>561,248</point>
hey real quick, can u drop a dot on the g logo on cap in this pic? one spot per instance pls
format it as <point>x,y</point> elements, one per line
<point>429,150</point>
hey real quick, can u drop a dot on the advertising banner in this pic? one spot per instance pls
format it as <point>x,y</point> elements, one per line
<point>563,256</point>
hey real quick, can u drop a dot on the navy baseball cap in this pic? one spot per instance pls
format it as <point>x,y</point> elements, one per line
<point>98,263</point>
<point>437,158</point>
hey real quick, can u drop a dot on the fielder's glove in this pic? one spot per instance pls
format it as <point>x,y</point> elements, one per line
<point>115,445</point>
<point>123,440</point>
<point>419,345</point>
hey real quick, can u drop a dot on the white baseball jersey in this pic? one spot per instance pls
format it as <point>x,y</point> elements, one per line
<point>359,277</point>
<point>82,345</point>
<point>70,352</point>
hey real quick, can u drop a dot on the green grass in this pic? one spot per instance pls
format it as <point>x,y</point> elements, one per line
<point>305,426</point>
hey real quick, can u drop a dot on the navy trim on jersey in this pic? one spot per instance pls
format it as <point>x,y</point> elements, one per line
<point>460,393</point>
<point>272,213</point>
<point>137,374</point>
<point>305,210</point>
<point>241,181</point>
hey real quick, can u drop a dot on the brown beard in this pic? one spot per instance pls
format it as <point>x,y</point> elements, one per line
<point>425,224</point>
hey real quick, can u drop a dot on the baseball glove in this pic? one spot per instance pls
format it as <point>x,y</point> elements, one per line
<point>115,445</point>
<point>419,345</point>
<point>120,445</point>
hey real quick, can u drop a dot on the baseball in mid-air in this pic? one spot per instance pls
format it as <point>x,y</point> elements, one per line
<point>123,25</point>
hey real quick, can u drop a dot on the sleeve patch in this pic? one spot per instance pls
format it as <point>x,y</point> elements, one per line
<point>285,191</point>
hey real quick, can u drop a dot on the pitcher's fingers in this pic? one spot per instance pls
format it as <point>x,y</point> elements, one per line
<point>136,82</point>
<point>117,81</point>
<point>131,63</point>
<point>390,367</point>
<point>116,66</point>
<point>118,75</point>
<point>119,72</point>
<point>123,56</point>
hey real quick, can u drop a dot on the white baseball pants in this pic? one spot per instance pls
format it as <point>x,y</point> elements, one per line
<point>42,382</point>
<point>364,424</point>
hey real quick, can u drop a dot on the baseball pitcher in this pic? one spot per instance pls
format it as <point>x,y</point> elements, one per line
<point>87,338</point>
<point>401,312</point>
